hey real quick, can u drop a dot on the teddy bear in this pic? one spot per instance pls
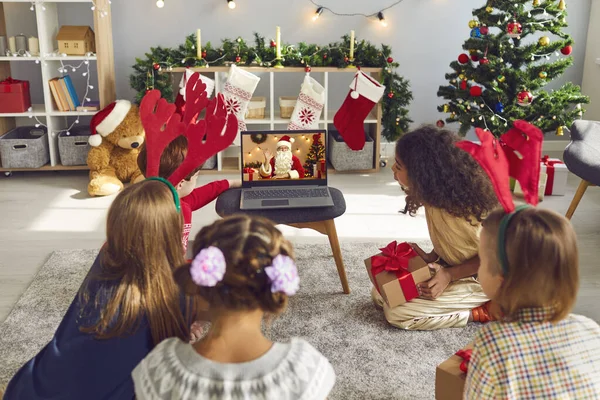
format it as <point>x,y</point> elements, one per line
<point>116,137</point>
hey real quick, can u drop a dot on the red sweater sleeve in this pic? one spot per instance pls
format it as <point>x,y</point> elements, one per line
<point>205,194</point>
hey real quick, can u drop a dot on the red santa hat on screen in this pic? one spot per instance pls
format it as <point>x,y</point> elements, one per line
<point>285,141</point>
<point>107,120</point>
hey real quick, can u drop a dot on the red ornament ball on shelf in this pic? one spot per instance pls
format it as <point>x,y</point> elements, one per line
<point>204,54</point>
<point>484,61</point>
<point>474,57</point>
<point>307,68</point>
<point>475,91</point>
<point>524,98</point>
<point>567,50</point>
<point>156,66</point>
<point>463,85</point>
<point>390,60</point>
<point>273,43</point>
<point>440,123</point>
<point>514,29</point>
<point>484,30</point>
<point>391,95</point>
<point>463,58</point>
<point>238,59</point>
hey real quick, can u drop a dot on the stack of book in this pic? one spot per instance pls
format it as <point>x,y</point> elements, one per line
<point>66,98</point>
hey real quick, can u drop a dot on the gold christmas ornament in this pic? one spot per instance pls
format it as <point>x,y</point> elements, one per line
<point>536,3</point>
<point>560,131</point>
<point>562,5</point>
<point>489,9</point>
<point>473,24</point>
<point>544,41</point>
<point>543,75</point>
<point>446,108</point>
<point>461,77</point>
<point>501,78</point>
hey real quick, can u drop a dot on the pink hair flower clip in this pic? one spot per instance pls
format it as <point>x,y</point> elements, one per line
<point>283,275</point>
<point>208,267</point>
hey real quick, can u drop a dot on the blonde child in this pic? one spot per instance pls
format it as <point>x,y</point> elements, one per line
<point>244,268</point>
<point>456,195</point>
<point>128,303</point>
<point>529,267</point>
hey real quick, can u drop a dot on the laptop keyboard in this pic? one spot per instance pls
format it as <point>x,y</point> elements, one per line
<point>285,193</point>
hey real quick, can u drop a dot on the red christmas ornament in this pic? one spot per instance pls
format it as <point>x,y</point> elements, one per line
<point>391,95</point>
<point>273,43</point>
<point>463,58</point>
<point>484,30</point>
<point>390,60</point>
<point>307,68</point>
<point>484,61</point>
<point>475,91</point>
<point>440,123</point>
<point>325,56</point>
<point>567,50</point>
<point>514,29</point>
<point>156,66</point>
<point>463,85</point>
<point>238,59</point>
<point>474,57</point>
<point>346,59</point>
<point>524,98</point>
<point>204,54</point>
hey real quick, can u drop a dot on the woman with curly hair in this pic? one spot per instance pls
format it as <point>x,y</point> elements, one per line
<point>456,195</point>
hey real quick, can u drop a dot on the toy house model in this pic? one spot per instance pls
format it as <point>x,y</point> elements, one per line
<point>76,40</point>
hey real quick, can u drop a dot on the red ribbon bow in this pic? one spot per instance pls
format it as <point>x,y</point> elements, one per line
<point>550,171</point>
<point>466,356</point>
<point>249,171</point>
<point>394,258</point>
<point>10,81</point>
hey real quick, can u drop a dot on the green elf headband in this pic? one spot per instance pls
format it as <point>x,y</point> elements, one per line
<point>517,153</point>
<point>171,187</point>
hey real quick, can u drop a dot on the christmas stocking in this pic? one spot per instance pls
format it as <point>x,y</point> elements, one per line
<point>309,105</point>
<point>180,99</point>
<point>238,91</point>
<point>365,92</point>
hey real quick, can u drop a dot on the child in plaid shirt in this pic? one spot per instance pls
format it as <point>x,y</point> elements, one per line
<point>539,350</point>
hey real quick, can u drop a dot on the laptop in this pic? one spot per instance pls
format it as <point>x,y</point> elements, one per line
<point>274,175</point>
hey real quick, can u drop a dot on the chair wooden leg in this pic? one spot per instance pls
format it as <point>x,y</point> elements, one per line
<point>337,253</point>
<point>578,195</point>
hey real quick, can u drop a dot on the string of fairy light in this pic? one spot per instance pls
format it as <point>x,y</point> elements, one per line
<point>40,4</point>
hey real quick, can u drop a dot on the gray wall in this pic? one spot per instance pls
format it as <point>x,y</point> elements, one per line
<point>425,35</point>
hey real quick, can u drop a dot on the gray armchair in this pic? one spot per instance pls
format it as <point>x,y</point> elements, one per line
<point>582,158</point>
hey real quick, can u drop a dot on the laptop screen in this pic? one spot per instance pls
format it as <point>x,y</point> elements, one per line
<point>284,158</point>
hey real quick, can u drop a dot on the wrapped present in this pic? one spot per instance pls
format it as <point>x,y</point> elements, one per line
<point>250,174</point>
<point>14,96</point>
<point>542,188</point>
<point>450,375</point>
<point>395,272</point>
<point>557,176</point>
<point>319,169</point>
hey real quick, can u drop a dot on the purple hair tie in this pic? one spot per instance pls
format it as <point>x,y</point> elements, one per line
<point>283,275</point>
<point>208,267</point>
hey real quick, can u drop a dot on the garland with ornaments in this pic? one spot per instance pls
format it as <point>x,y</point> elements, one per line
<point>501,76</point>
<point>154,70</point>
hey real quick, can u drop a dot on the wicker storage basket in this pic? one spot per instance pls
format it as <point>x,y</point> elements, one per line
<point>256,108</point>
<point>286,106</point>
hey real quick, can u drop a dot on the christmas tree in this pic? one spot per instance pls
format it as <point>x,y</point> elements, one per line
<point>515,48</point>
<point>315,153</point>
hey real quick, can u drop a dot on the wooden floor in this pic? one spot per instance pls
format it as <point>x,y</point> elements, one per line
<point>46,211</point>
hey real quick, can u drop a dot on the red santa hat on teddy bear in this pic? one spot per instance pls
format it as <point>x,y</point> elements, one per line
<point>285,141</point>
<point>107,120</point>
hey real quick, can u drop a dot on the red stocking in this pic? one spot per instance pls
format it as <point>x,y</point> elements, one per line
<point>365,92</point>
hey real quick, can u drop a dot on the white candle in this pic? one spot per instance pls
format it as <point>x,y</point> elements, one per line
<point>12,44</point>
<point>198,45</point>
<point>34,46</point>
<point>278,41</point>
<point>352,45</point>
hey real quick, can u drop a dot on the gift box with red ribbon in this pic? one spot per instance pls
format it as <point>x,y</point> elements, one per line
<point>557,172</point>
<point>541,189</point>
<point>450,375</point>
<point>249,174</point>
<point>14,96</point>
<point>396,271</point>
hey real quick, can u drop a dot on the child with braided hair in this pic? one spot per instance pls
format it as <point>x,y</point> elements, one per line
<point>245,270</point>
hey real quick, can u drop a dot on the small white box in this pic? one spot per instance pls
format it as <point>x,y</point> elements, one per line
<point>558,173</point>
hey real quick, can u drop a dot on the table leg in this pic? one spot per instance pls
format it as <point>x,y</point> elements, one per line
<point>337,253</point>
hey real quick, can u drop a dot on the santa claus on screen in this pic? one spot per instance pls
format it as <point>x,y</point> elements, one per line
<point>284,165</point>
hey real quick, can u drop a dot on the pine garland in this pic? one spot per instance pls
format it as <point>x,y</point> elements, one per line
<point>149,71</point>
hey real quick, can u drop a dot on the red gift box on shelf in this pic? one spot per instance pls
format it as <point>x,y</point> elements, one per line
<point>249,174</point>
<point>450,375</point>
<point>14,96</point>
<point>396,271</point>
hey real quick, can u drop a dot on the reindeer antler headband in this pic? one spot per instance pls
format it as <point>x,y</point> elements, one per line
<point>517,154</point>
<point>206,137</point>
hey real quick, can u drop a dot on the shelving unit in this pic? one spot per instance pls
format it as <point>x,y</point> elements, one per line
<point>228,160</point>
<point>47,22</point>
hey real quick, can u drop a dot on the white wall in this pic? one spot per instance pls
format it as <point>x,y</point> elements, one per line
<point>591,70</point>
<point>425,35</point>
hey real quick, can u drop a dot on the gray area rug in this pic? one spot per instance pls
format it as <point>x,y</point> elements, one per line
<point>372,360</point>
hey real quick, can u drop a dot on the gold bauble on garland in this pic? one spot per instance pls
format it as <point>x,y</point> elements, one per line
<point>560,131</point>
<point>544,41</point>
